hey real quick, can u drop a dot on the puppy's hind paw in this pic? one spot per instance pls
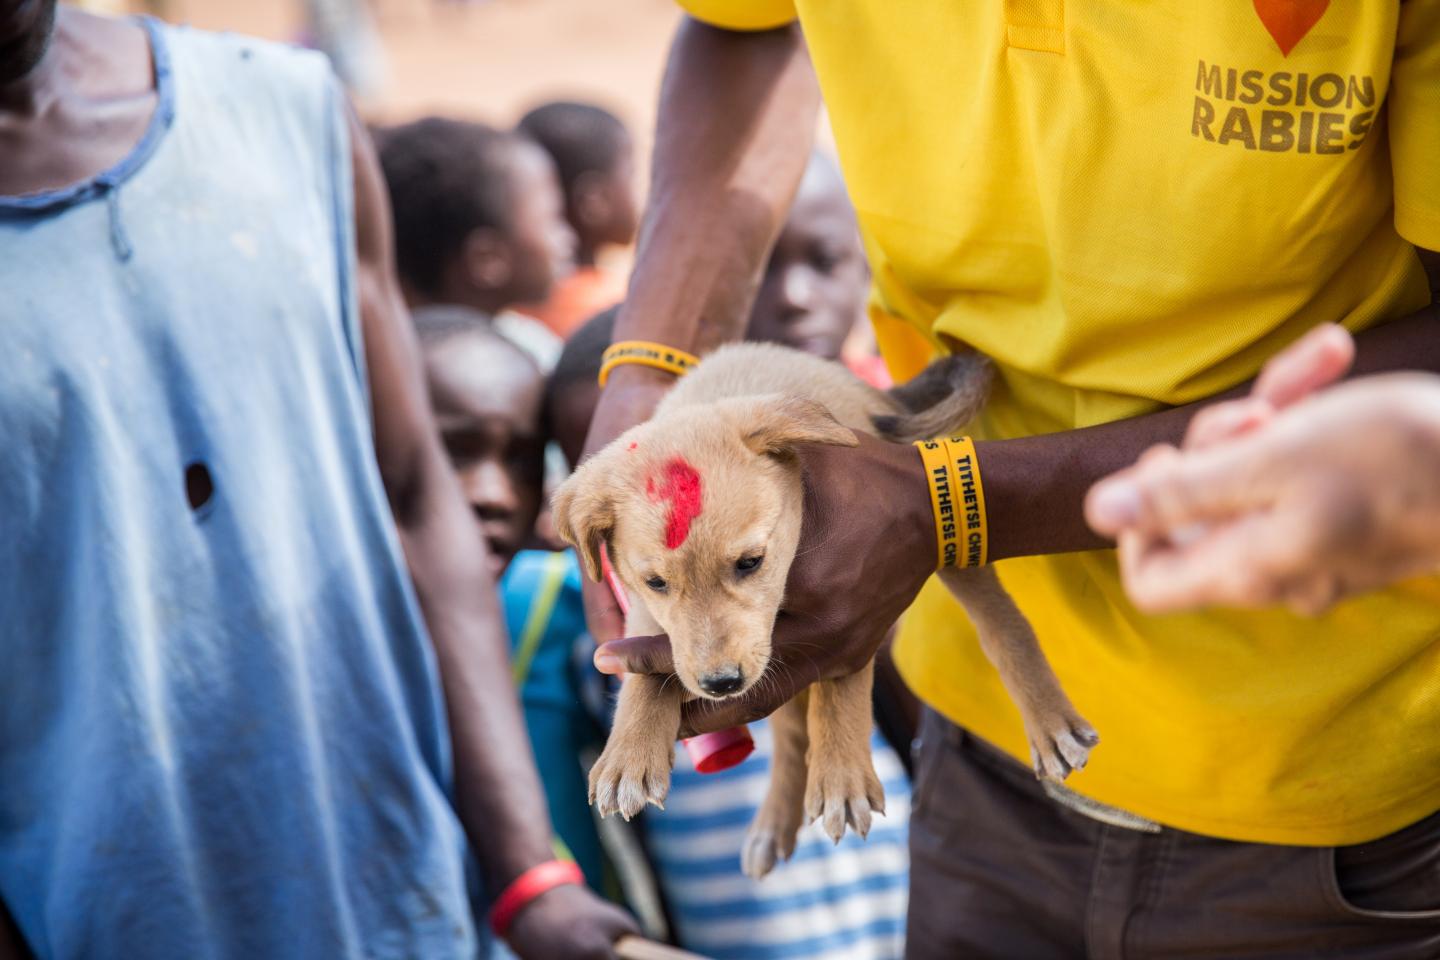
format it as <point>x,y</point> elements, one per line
<point>623,781</point>
<point>1061,745</point>
<point>764,847</point>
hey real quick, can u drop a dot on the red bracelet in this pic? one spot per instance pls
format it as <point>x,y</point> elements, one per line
<point>539,879</point>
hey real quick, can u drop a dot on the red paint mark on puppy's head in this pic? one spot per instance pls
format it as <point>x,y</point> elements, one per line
<point>679,484</point>
<point>633,445</point>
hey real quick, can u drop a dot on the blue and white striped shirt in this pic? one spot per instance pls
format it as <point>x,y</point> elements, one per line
<point>844,902</point>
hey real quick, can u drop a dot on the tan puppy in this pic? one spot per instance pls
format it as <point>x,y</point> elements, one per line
<point>700,510</point>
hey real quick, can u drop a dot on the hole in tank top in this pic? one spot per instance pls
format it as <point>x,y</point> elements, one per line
<point>199,487</point>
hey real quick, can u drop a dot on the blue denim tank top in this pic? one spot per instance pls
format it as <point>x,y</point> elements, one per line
<point>221,727</point>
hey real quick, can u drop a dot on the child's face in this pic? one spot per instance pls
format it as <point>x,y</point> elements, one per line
<point>542,243</point>
<point>623,203</point>
<point>815,282</point>
<point>603,206</point>
<point>487,401</point>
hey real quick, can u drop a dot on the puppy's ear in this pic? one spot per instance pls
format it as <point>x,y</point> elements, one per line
<point>774,424</point>
<point>583,510</point>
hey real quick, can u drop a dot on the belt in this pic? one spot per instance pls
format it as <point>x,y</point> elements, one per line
<point>1096,810</point>
<point>1064,796</point>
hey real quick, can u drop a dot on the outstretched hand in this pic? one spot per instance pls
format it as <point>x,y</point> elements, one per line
<point>1274,500</point>
<point>867,546</point>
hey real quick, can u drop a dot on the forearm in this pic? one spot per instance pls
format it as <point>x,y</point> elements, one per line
<point>497,791</point>
<point>735,128</point>
<point>1035,486</point>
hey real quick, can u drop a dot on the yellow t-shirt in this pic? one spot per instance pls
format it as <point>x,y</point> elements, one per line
<point>1129,205</point>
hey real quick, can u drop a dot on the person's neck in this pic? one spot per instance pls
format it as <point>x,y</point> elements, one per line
<point>30,95</point>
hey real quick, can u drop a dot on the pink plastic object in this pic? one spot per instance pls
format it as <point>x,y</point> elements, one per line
<point>710,752</point>
<point>613,582</point>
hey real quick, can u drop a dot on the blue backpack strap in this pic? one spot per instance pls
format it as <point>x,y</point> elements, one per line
<point>542,607</point>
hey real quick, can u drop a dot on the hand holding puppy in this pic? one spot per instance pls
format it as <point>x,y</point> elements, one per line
<point>867,545</point>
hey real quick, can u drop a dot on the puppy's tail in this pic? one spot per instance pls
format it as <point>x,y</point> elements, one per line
<point>941,400</point>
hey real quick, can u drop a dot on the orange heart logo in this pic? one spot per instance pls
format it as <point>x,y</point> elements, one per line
<point>1289,20</point>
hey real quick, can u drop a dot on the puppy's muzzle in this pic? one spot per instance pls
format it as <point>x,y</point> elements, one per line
<point>722,683</point>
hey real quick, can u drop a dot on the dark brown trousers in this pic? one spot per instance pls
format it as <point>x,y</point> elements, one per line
<point>999,869</point>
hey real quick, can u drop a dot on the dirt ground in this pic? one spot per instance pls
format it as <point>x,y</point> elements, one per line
<point>488,59</point>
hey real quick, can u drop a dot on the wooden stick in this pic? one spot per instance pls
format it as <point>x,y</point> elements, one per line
<point>635,948</point>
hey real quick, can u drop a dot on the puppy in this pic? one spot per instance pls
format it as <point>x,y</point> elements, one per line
<point>700,511</point>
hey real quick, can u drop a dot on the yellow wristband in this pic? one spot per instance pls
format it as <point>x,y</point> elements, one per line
<point>970,502</point>
<point>942,501</point>
<point>646,354</point>
<point>958,499</point>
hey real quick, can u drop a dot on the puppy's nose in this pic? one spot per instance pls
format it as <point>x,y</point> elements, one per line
<point>722,683</point>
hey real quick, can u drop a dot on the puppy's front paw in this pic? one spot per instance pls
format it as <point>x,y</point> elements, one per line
<point>624,779</point>
<point>843,793</point>
<point>1060,742</point>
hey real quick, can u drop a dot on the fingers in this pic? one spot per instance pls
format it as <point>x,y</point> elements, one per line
<point>1225,421</point>
<point>1115,503</point>
<point>635,655</point>
<point>1249,561</point>
<point>1167,491</point>
<point>1161,494</point>
<point>1162,578</point>
<point>1316,594</point>
<point>1316,360</point>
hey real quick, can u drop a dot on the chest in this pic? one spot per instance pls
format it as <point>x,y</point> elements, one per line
<point>192,307</point>
<point>949,101</point>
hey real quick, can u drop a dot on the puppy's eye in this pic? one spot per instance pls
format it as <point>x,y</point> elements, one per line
<point>656,583</point>
<point>748,564</point>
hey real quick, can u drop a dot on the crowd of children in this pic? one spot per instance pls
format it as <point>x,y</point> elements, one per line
<point>504,243</point>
